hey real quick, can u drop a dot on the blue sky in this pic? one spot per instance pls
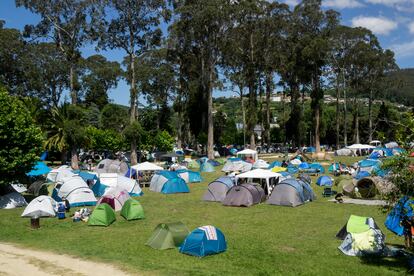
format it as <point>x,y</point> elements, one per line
<point>391,20</point>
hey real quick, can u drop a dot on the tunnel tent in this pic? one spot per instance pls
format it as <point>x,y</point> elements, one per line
<point>218,189</point>
<point>168,235</point>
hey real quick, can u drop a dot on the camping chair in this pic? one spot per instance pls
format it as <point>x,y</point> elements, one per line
<point>327,192</point>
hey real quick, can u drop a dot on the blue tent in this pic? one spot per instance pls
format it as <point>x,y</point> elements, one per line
<point>234,159</point>
<point>318,167</point>
<point>362,174</point>
<point>375,155</point>
<point>292,169</point>
<point>311,149</point>
<point>324,180</point>
<point>304,166</point>
<point>285,174</point>
<point>203,241</point>
<point>168,182</point>
<point>275,164</point>
<point>206,167</point>
<point>369,163</point>
<point>44,155</point>
<point>394,218</point>
<point>191,175</point>
<point>129,172</point>
<point>213,162</point>
<point>233,151</point>
<point>39,168</point>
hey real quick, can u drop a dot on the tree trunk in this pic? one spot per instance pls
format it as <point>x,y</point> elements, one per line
<point>210,126</point>
<point>133,109</point>
<point>356,121</point>
<point>337,113</point>
<point>73,93</point>
<point>268,94</point>
<point>317,97</point>
<point>252,96</point>
<point>370,115</point>
<point>243,114</point>
<point>74,158</point>
<point>345,113</point>
<point>261,110</point>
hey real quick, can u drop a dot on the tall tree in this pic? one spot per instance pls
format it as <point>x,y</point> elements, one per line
<point>70,25</point>
<point>99,75</point>
<point>135,28</point>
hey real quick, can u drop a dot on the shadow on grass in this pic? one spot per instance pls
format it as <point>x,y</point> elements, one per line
<point>402,259</point>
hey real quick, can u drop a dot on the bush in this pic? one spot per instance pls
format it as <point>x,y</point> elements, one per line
<point>20,139</point>
<point>163,141</point>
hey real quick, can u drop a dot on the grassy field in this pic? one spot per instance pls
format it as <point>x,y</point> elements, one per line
<point>262,239</point>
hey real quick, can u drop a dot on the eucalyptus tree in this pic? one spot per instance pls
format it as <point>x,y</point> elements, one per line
<point>134,27</point>
<point>316,26</point>
<point>69,24</point>
<point>207,25</point>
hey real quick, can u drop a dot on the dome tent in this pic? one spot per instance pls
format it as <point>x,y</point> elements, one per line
<point>206,167</point>
<point>12,200</point>
<point>236,165</point>
<point>168,182</point>
<point>291,192</point>
<point>40,207</point>
<point>217,189</point>
<point>108,180</point>
<point>361,236</point>
<point>102,215</point>
<point>112,166</point>
<point>189,176</point>
<point>260,164</point>
<point>74,190</point>
<point>132,210</point>
<point>115,197</point>
<point>203,241</point>
<point>244,195</point>
<point>168,235</point>
<point>324,180</point>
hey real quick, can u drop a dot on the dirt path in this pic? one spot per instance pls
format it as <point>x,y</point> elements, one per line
<point>19,261</point>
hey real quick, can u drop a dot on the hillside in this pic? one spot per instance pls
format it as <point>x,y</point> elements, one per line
<point>403,91</point>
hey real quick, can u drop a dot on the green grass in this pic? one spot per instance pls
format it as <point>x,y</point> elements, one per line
<point>261,240</point>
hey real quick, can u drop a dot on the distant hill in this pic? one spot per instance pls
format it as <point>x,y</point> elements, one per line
<point>403,90</point>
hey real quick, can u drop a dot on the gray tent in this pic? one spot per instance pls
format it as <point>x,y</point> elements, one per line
<point>244,195</point>
<point>112,166</point>
<point>291,192</point>
<point>217,189</point>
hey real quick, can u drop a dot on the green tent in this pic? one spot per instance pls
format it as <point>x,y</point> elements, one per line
<point>168,235</point>
<point>193,164</point>
<point>132,209</point>
<point>221,161</point>
<point>103,215</point>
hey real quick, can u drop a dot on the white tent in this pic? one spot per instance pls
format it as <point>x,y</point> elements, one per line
<point>41,206</point>
<point>75,190</point>
<point>147,166</point>
<point>260,174</point>
<point>260,164</point>
<point>12,200</point>
<point>58,174</point>
<point>235,166</point>
<point>116,180</point>
<point>391,145</point>
<point>119,195</point>
<point>295,162</point>
<point>248,152</point>
<point>360,146</point>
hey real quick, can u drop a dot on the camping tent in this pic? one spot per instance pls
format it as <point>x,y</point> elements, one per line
<point>278,169</point>
<point>107,180</point>
<point>12,200</point>
<point>206,166</point>
<point>40,207</point>
<point>361,236</point>
<point>391,145</point>
<point>147,166</point>
<point>247,153</point>
<point>74,190</point>
<point>39,168</point>
<point>244,195</point>
<point>112,166</point>
<point>217,189</point>
<point>369,187</point>
<point>295,162</point>
<point>59,173</point>
<point>260,164</point>
<point>344,152</point>
<point>168,235</point>
<point>189,176</point>
<point>132,210</point>
<point>103,215</point>
<point>324,180</point>
<point>403,208</point>
<point>271,178</point>
<point>303,165</point>
<point>318,167</point>
<point>291,192</point>
<point>168,182</point>
<point>203,241</point>
<point>236,165</point>
<point>275,164</point>
<point>193,164</point>
<point>115,197</point>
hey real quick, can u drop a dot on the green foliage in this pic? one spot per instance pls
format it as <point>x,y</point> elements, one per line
<point>133,131</point>
<point>115,117</point>
<point>401,175</point>
<point>163,141</point>
<point>20,139</point>
<point>105,139</point>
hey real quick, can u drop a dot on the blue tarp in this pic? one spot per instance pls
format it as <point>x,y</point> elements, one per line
<point>304,166</point>
<point>369,163</point>
<point>324,180</point>
<point>39,168</point>
<point>275,164</point>
<point>199,243</point>
<point>404,208</point>
<point>292,169</point>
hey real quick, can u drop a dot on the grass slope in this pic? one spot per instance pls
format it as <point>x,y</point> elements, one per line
<point>262,240</point>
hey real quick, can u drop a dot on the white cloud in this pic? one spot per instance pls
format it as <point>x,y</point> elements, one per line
<point>378,25</point>
<point>342,4</point>
<point>411,27</point>
<point>292,3</point>
<point>399,5</point>
<point>403,49</point>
